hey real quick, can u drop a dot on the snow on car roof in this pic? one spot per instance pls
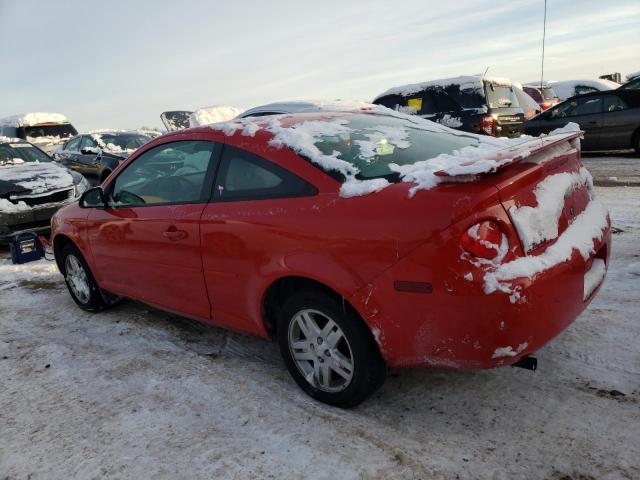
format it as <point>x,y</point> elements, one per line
<point>566,88</point>
<point>632,75</point>
<point>33,118</point>
<point>466,82</point>
<point>213,114</point>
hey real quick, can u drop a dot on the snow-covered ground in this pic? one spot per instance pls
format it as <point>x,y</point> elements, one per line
<point>136,393</point>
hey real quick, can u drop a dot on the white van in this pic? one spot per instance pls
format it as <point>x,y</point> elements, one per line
<point>45,130</point>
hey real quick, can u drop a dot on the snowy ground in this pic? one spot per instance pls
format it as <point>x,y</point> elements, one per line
<point>136,393</point>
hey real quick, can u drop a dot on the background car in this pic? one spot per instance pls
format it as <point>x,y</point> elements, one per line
<point>305,106</point>
<point>32,188</point>
<point>95,155</point>
<point>333,233</point>
<point>181,119</point>
<point>610,120</point>
<point>46,130</point>
<point>570,88</point>
<point>474,104</point>
<point>543,94</point>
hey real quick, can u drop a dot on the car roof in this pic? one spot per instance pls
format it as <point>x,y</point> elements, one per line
<point>307,106</point>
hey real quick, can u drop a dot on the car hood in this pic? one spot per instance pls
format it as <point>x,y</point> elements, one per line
<point>34,177</point>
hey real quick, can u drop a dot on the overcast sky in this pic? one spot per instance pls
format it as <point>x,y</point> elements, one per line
<point>118,64</point>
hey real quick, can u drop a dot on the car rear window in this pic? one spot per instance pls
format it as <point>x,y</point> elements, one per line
<point>373,142</point>
<point>499,96</point>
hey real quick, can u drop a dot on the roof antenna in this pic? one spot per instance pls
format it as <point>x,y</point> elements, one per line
<point>485,72</point>
<point>544,34</point>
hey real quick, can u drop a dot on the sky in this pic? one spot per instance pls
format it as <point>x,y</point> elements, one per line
<point>119,64</point>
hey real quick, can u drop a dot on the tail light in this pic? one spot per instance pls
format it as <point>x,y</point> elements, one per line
<point>488,125</point>
<point>484,240</point>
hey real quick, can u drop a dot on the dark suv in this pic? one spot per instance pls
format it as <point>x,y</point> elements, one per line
<point>473,104</point>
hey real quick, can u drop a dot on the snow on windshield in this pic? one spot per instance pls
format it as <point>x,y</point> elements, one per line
<point>37,177</point>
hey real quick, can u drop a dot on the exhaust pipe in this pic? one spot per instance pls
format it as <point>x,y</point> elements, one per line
<point>528,363</point>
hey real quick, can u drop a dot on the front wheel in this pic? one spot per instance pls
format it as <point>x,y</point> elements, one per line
<point>328,350</point>
<point>82,286</point>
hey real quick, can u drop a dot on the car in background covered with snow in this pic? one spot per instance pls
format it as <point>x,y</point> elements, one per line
<point>46,130</point>
<point>181,119</point>
<point>96,154</point>
<point>565,89</point>
<point>543,94</point>
<point>632,83</point>
<point>475,104</point>
<point>32,188</point>
<point>610,120</point>
<point>360,240</point>
<point>306,106</point>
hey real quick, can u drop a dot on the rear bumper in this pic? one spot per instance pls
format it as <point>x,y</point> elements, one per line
<point>31,220</point>
<point>457,325</point>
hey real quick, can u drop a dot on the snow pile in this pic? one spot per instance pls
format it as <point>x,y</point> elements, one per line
<point>594,277</point>
<point>450,121</point>
<point>37,177</point>
<point>567,88</point>
<point>4,139</point>
<point>509,351</point>
<point>34,118</point>
<point>540,223</point>
<point>213,114</point>
<point>7,206</point>
<point>580,235</point>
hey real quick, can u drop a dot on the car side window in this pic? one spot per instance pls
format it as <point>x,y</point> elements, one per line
<point>245,176</point>
<point>73,144</point>
<point>580,89</point>
<point>444,103</point>
<point>176,172</point>
<point>87,141</point>
<point>578,106</point>
<point>613,103</point>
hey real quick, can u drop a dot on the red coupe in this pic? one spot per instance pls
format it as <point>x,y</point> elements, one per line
<point>359,240</point>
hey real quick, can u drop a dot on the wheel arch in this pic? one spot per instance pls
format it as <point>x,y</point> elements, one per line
<point>283,287</point>
<point>59,242</point>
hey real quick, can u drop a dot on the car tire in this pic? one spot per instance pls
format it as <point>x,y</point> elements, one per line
<point>636,142</point>
<point>82,286</point>
<point>328,349</point>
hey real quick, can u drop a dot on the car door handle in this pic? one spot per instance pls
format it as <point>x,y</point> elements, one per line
<point>173,234</point>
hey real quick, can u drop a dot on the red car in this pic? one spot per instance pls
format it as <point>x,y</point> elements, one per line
<point>329,232</point>
<point>544,95</point>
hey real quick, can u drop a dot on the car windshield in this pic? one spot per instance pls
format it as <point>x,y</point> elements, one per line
<point>121,142</point>
<point>500,96</point>
<point>53,132</point>
<point>372,142</point>
<point>21,152</point>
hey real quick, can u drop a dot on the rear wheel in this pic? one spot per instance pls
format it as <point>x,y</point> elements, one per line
<point>328,350</point>
<point>82,286</point>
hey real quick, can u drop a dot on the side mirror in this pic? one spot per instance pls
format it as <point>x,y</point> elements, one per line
<point>93,198</point>
<point>90,151</point>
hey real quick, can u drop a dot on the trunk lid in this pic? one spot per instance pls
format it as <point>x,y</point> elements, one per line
<point>546,192</point>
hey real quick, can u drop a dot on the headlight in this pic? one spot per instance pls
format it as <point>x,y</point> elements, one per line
<point>81,187</point>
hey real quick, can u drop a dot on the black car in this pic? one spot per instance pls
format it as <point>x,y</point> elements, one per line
<point>96,154</point>
<point>32,188</point>
<point>610,119</point>
<point>474,104</point>
<point>633,84</point>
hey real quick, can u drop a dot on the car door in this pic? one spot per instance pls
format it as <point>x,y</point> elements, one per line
<point>618,123</point>
<point>259,214</point>
<point>89,157</point>
<point>68,155</point>
<point>585,111</point>
<point>146,243</point>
